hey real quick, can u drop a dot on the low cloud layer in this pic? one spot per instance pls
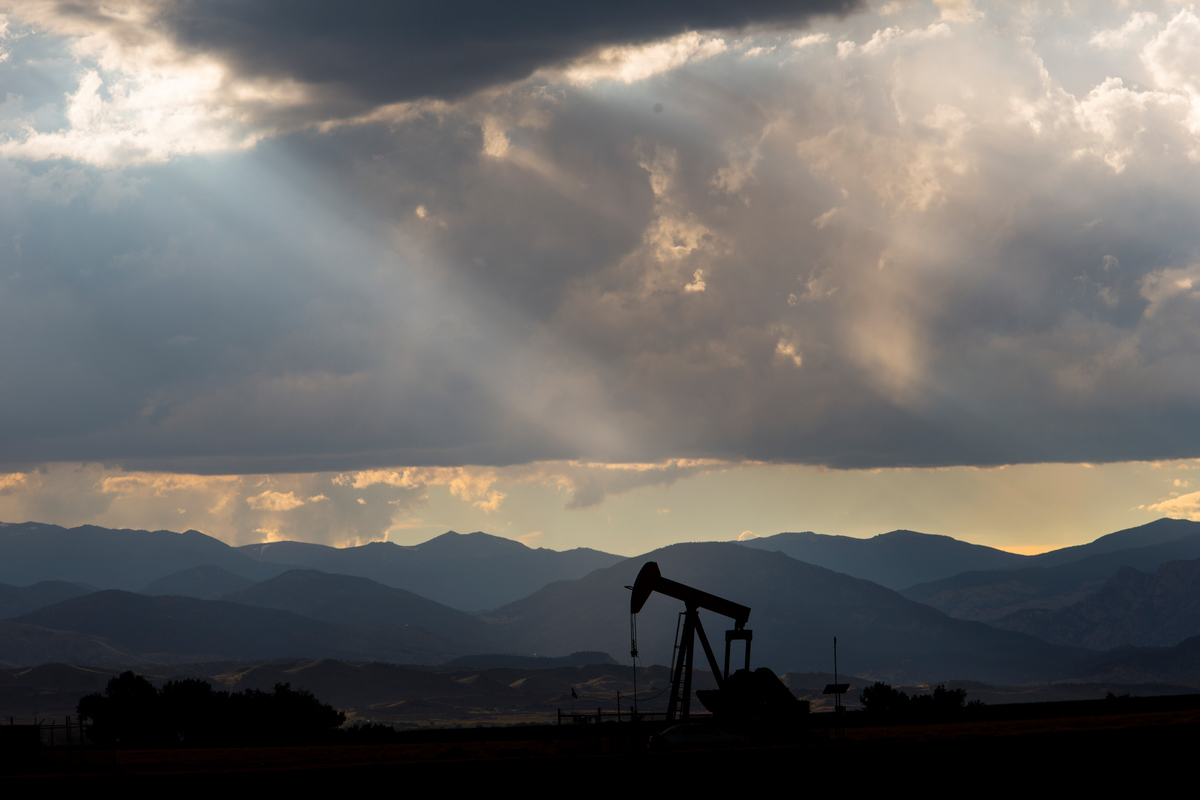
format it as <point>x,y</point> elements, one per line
<point>629,509</point>
<point>923,235</point>
<point>342,509</point>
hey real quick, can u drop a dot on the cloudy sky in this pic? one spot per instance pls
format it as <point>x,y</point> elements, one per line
<point>612,276</point>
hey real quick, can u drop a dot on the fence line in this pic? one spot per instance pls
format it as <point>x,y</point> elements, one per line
<point>48,742</point>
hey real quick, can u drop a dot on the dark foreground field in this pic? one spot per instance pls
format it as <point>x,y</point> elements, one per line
<point>1092,749</point>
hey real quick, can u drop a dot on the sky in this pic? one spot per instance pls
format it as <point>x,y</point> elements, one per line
<point>611,277</point>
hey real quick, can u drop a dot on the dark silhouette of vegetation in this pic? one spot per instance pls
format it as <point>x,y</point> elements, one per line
<point>370,733</point>
<point>127,713</point>
<point>884,702</point>
<point>132,713</point>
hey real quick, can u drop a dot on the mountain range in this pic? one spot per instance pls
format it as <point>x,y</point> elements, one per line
<point>470,572</point>
<point>896,560</point>
<point>797,609</point>
<point>990,595</point>
<point>201,600</point>
<point>1131,609</point>
<point>908,561</point>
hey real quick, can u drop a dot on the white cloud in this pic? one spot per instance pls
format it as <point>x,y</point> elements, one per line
<point>957,10</point>
<point>1113,38</point>
<point>633,63</point>
<point>809,40</point>
<point>883,39</point>
<point>824,219</point>
<point>788,351</point>
<point>1165,286</point>
<point>1186,506</point>
<point>140,97</point>
<point>495,140</point>
<point>4,34</point>
<point>1173,58</point>
<point>274,501</point>
<point>13,481</point>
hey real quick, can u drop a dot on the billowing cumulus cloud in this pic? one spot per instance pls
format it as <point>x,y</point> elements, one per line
<point>924,235</point>
<point>587,484</point>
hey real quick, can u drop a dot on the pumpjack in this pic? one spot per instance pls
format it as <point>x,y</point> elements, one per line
<point>745,698</point>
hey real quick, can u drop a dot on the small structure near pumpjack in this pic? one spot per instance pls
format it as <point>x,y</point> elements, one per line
<point>743,699</point>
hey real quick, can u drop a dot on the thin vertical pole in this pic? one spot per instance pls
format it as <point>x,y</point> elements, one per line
<point>837,696</point>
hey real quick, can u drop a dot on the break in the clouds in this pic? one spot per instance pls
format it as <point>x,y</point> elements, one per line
<point>250,238</point>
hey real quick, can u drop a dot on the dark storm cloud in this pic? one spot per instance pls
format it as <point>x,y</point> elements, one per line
<point>374,52</point>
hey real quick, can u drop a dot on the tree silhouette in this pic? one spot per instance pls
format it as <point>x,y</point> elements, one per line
<point>131,713</point>
<point>126,714</point>
<point>881,699</point>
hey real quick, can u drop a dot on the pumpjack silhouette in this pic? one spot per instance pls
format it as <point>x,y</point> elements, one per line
<point>746,700</point>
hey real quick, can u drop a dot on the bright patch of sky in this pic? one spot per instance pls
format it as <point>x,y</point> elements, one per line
<point>624,509</point>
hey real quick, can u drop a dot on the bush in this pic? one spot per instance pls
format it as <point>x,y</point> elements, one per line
<point>881,699</point>
<point>131,713</point>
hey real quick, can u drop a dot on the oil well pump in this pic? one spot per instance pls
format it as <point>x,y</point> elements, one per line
<point>745,697</point>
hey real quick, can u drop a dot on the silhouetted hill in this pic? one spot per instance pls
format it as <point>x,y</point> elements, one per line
<point>206,582</point>
<point>503,661</point>
<point>896,560</point>
<point>23,645</point>
<point>113,559</point>
<point>1132,609</point>
<point>903,559</point>
<point>1161,531</point>
<point>185,629</point>
<point>465,571</point>
<point>360,601</point>
<point>18,600</point>
<point>1138,665</point>
<point>797,610</point>
<point>988,596</point>
<point>349,685</point>
<point>408,696</point>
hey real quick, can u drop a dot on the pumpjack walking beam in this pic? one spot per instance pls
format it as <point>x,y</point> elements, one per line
<point>650,580</point>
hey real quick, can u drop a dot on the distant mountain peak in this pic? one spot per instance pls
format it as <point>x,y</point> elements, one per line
<point>905,533</point>
<point>473,544</point>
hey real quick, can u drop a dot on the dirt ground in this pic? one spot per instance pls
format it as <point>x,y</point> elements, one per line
<point>1078,750</point>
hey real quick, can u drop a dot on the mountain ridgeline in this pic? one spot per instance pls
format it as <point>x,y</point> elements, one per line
<point>993,594</point>
<point>901,604</point>
<point>896,560</point>
<point>903,560</point>
<point>470,572</point>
